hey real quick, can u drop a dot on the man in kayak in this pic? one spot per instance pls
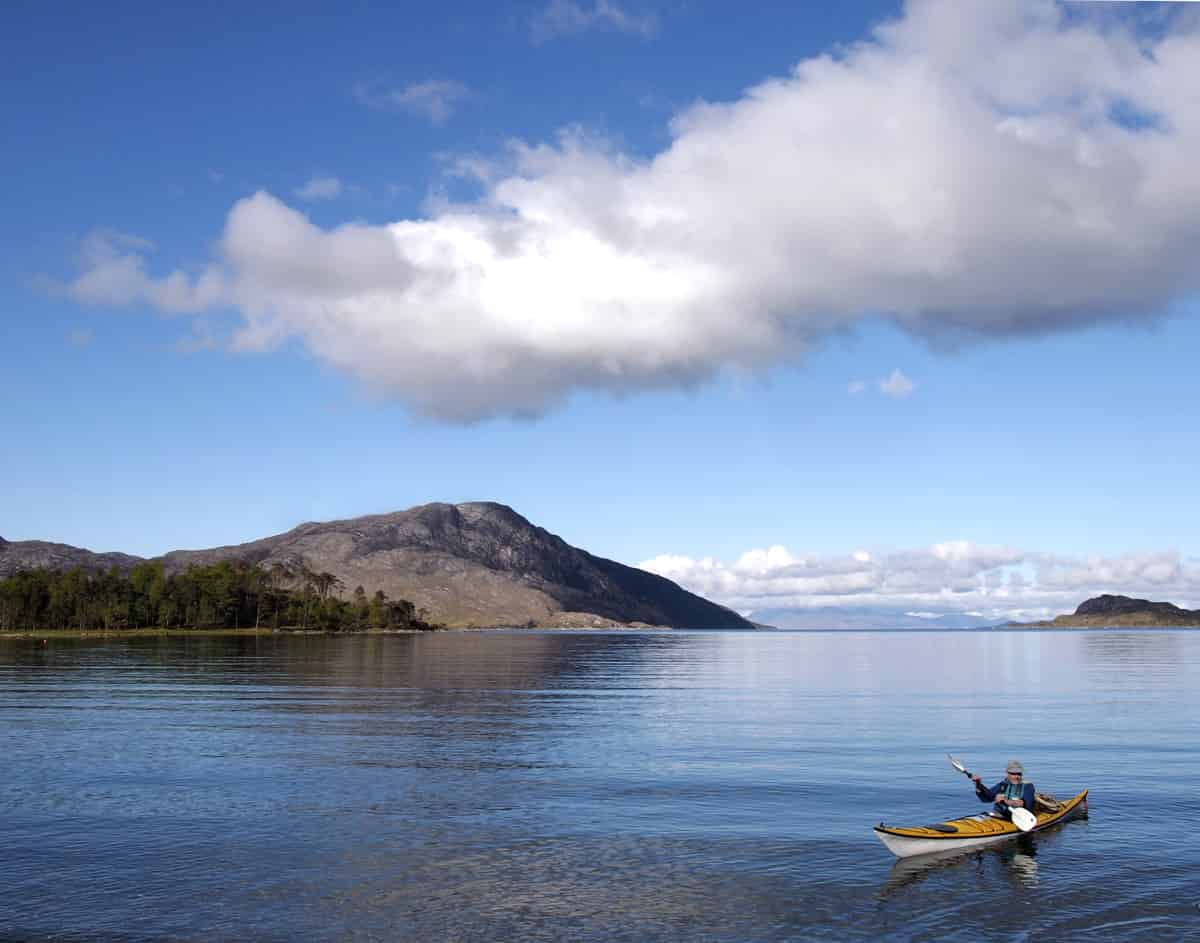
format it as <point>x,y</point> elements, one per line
<point>1012,792</point>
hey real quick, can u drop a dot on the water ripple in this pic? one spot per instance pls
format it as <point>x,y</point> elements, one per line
<point>619,786</point>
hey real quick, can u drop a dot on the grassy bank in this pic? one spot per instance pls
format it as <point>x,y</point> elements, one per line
<point>130,633</point>
<point>49,634</point>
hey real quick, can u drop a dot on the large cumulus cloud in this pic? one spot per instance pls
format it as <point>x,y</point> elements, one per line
<point>972,169</point>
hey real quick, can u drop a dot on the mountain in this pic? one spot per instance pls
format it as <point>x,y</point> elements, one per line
<point>475,564</point>
<point>1123,611</point>
<point>31,554</point>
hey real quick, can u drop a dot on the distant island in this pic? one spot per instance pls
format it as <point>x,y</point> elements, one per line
<point>1110,611</point>
<point>471,565</point>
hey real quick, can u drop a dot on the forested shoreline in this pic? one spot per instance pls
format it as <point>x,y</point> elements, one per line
<point>227,595</point>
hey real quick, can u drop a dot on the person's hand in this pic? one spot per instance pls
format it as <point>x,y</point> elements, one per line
<point>1002,801</point>
<point>978,780</point>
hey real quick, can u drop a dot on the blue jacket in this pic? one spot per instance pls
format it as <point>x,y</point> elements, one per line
<point>989,795</point>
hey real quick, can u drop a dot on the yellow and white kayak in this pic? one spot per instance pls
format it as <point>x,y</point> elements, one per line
<point>972,831</point>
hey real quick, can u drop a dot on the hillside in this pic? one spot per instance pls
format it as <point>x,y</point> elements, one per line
<point>34,554</point>
<point>475,564</point>
<point>1123,611</point>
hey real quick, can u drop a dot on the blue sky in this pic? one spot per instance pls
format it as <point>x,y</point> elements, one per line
<point>659,325</point>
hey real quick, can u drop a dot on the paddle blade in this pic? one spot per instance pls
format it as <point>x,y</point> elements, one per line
<point>1024,819</point>
<point>957,765</point>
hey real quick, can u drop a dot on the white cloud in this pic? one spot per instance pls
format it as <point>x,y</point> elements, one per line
<point>114,273</point>
<point>567,17</point>
<point>320,188</point>
<point>1150,571</point>
<point>896,385</point>
<point>435,99</point>
<point>954,577</point>
<point>1013,199</point>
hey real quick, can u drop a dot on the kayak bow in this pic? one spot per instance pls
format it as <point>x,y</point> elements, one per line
<point>971,831</point>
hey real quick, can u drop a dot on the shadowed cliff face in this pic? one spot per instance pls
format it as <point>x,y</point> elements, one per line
<point>476,564</point>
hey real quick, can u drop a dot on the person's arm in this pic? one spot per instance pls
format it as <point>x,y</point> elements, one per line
<point>985,794</point>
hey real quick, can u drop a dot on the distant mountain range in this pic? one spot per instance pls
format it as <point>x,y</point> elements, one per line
<point>866,617</point>
<point>1122,611</point>
<point>475,564</point>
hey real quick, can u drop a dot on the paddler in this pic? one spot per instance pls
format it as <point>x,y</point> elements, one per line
<point>1012,792</point>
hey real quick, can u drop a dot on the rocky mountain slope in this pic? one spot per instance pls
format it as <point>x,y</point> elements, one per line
<point>475,564</point>
<point>32,554</point>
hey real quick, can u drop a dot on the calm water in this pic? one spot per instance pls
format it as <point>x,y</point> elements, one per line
<point>565,786</point>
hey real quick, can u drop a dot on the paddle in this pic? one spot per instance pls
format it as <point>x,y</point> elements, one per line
<point>1022,818</point>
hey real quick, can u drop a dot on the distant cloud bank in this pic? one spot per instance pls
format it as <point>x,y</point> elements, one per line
<point>971,171</point>
<point>956,577</point>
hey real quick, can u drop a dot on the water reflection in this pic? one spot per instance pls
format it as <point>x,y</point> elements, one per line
<point>1016,858</point>
<point>578,787</point>
<point>1145,651</point>
<point>455,664</point>
<point>1025,869</point>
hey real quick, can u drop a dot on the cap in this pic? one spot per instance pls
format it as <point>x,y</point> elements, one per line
<point>1014,766</point>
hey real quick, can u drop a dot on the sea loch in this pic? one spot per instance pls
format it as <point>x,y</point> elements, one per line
<point>590,786</point>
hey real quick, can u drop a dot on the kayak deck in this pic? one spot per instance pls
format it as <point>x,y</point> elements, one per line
<point>970,831</point>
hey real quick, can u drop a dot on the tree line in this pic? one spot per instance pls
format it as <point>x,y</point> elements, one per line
<point>227,595</point>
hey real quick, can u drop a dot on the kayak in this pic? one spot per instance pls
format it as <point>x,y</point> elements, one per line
<point>971,831</point>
